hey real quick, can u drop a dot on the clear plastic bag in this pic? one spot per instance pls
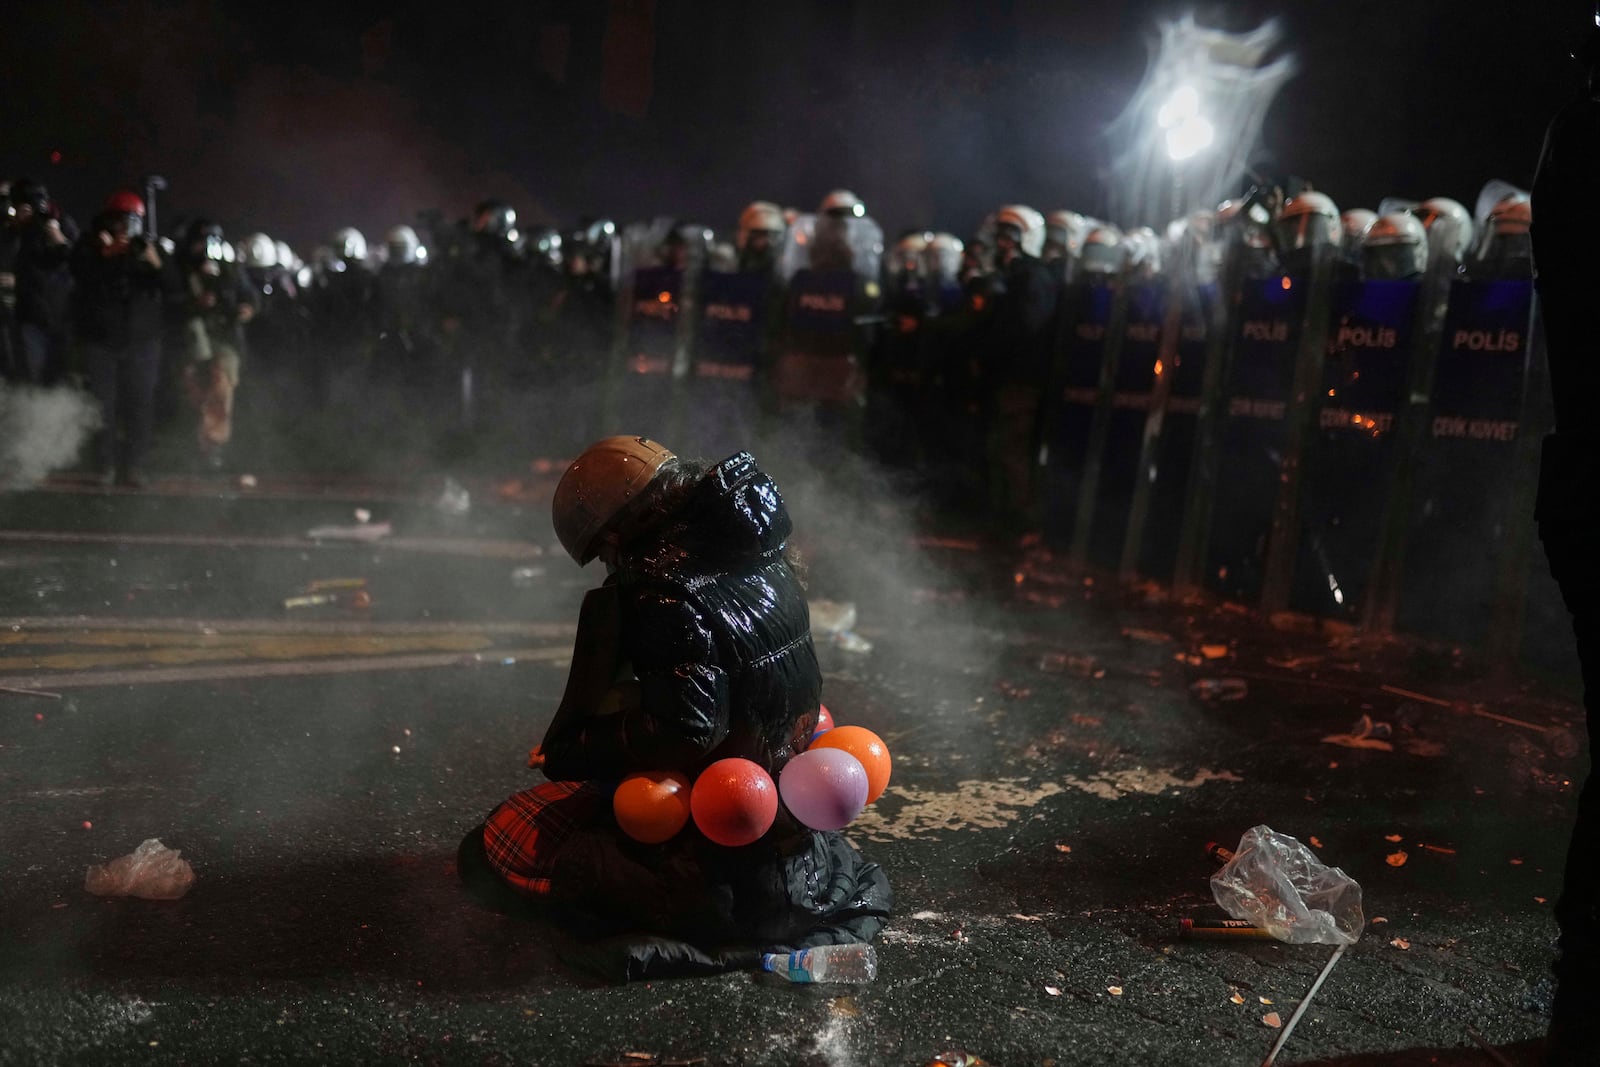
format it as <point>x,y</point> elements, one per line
<point>152,871</point>
<point>1279,885</point>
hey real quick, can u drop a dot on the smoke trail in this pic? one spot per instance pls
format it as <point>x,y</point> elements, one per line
<point>41,430</point>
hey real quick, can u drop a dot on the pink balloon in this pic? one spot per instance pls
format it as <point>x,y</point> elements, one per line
<point>824,718</point>
<point>825,788</point>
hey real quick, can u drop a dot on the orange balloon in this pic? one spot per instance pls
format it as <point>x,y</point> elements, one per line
<point>652,806</point>
<point>734,801</point>
<point>865,746</point>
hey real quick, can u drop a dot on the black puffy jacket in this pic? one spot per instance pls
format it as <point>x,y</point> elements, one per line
<point>715,627</point>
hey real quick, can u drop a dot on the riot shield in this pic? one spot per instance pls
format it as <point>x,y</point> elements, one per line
<point>730,353</point>
<point>1174,454</point>
<point>1069,412</point>
<point>641,397</point>
<point>1350,458</point>
<point>1459,519</point>
<point>1134,380</point>
<point>899,410</point>
<point>1253,437</point>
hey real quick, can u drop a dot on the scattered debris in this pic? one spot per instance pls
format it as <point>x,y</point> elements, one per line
<point>1488,1050</point>
<point>1376,919</point>
<point>358,599</point>
<point>1214,651</point>
<point>1149,637</point>
<point>371,531</point>
<point>1052,990</point>
<point>1440,849</point>
<point>957,1058</point>
<point>1294,663</point>
<point>1364,734</point>
<point>1063,663</point>
<point>1393,839</point>
<point>247,481</point>
<point>1271,1019</point>
<point>1063,848</point>
<point>1300,1009</point>
<point>17,691</point>
<point>453,498</point>
<point>1114,990</point>
<point>1237,998</point>
<point>322,585</point>
<point>1265,1000</point>
<point>1397,858</point>
<point>836,620</point>
<point>152,871</point>
<point>363,515</point>
<point>1401,943</point>
<point>1277,883</point>
<point>1220,689</point>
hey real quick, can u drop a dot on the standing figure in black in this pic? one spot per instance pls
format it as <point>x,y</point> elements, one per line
<point>124,285</point>
<point>1566,227</point>
<point>40,281</point>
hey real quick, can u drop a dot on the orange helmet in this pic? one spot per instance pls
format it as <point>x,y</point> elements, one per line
<point>599,487</point>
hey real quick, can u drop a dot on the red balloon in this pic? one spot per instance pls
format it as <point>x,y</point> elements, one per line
<point>824,720</point>
<point>734,802</point>
<point>652,806</point>
<point>865,746</point>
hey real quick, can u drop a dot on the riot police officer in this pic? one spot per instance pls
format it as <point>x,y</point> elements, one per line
<point>1394,246</point>
<point>1503,249</point>
<point>761,229</point>
<point>1016,364</point>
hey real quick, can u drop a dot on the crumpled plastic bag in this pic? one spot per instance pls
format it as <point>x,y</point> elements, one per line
<point>152,871</point>
<point>1279,885</point>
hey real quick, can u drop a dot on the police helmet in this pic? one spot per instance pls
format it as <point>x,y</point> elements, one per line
<point>258,250</point>
<point>348,242</point>
<point>1394,246</point>
<point>1449,225</point>
<point>403,244</point>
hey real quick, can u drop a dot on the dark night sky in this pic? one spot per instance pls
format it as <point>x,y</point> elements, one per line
<point>296,118</point>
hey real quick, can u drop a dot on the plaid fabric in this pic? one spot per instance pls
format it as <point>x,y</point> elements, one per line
<point>522,836</point>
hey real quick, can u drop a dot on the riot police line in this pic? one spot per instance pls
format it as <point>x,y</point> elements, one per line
<point>1290,406</point>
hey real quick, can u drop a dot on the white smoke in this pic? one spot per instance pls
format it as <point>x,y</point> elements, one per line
<point>41,430</point>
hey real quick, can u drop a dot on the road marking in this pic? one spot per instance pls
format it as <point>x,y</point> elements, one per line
<point>292,669</point>
<point>281,626</point>
<point>447,546</point>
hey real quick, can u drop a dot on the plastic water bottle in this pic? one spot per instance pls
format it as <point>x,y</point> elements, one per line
<point>825,963</point>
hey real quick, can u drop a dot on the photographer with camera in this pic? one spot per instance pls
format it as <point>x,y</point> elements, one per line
<point>123,284</point>
<point>43,284</point>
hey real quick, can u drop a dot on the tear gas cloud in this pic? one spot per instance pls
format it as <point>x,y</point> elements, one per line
<point>41,430</point>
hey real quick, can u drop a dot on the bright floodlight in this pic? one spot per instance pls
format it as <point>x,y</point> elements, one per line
<point>1189,138</point>
<point>1182,105</point>
<point>1193,129</point>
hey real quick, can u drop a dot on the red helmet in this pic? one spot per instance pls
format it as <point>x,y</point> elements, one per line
<point>125,202</point>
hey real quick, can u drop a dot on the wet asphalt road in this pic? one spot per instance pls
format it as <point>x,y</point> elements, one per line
<point>1055,785</point>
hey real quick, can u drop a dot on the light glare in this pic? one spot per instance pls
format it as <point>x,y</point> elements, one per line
<point>1189,138</point>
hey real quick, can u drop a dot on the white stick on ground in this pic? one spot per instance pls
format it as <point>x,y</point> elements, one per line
<point>1327,969</point>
